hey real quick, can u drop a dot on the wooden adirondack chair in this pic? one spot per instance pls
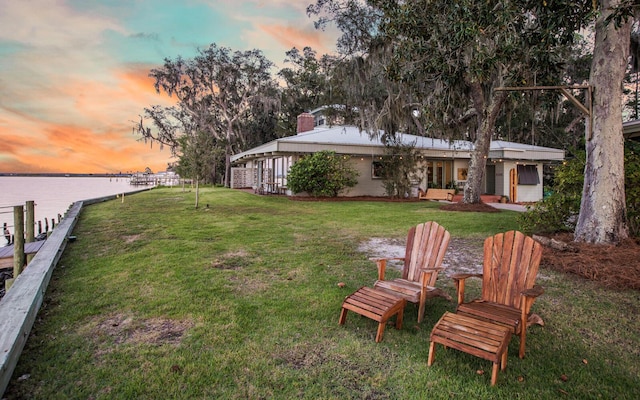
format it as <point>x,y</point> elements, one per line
<point>426,246</point>
<point>511,262</point>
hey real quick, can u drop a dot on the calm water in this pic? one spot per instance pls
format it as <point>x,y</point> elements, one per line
<point>54,195</point>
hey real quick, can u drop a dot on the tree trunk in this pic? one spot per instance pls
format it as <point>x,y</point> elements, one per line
<point>228,151</point>
<point>227,167</point>
<point>197,192</point>
<point>602,216</point>
<point>477,165</point>
<point>478,161</point>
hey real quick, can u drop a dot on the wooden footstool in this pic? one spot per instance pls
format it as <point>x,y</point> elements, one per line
<point>479,338</point>
<point>374,304</point>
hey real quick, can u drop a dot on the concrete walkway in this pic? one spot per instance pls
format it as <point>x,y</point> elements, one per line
<point>509,206</point>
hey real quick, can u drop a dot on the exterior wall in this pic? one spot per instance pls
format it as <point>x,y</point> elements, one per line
<point>525,193</point>
<point>530,193</point>
<point>367,185</point>
<point>242,178</point>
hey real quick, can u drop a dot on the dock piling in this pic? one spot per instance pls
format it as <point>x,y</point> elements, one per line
<point>30,226</point>
<point>18,238</point>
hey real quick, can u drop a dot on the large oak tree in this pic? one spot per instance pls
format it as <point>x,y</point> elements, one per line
<point>602,216</point>
<point>219,88</point>
<point>451,56</point>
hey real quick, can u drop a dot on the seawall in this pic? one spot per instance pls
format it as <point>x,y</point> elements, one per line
<point>20,305</point>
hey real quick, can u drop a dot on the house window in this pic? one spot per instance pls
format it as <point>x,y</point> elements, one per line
<point>377,170</point>
<point>528,175</point>
<point>462,174</point>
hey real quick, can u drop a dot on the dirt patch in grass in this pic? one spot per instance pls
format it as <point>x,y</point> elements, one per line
<point>463,255</point>
<point>131,238</point>
<point>615,267</point>
<point>127,329</point>
<point>354,374</point>
<point>232,260</point>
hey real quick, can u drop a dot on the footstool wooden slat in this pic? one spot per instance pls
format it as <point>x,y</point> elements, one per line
<point>473,336</point>
<point>374,304</point>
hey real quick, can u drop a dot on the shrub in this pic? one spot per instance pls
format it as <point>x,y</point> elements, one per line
<point>632,186</point>
<point>559,210</point>
<point>322,174</point>
<point>398,168</point>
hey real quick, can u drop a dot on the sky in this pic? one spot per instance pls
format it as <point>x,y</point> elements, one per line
<point>74,73</point>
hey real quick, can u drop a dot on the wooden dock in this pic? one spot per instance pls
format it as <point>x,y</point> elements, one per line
<point>6,253</point>
<point>155,180</point>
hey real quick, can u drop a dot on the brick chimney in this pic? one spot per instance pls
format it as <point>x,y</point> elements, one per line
<point>306,122</point>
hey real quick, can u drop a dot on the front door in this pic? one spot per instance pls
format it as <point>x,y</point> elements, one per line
<point>490,179</point>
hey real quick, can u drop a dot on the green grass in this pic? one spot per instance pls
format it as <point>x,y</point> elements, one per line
<point>240,301</point>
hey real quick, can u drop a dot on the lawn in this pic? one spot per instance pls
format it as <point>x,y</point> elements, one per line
<point>239,299</point>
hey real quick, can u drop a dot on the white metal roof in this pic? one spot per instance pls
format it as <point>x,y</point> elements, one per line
<point>350,140</point>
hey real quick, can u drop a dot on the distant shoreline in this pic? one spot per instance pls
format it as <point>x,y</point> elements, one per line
<point>65,175</point>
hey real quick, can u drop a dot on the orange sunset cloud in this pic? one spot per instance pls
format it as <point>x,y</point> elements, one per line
<point>98,138</point>
<point>290,37</point>
<point>80,150</point>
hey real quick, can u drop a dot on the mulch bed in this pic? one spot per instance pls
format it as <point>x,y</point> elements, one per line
<point>615,267</point>
<point>478,207</point>
<point>354,198</point>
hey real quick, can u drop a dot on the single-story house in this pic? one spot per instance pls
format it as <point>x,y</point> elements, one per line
<point>513,169</point>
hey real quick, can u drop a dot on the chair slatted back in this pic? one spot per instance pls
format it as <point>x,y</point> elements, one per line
<point>426,246</point>
<point>511,261</point>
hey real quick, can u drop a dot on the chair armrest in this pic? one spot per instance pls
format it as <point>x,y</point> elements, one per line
<point>534,292</point>
<point>461,277</point>
<point>426,273</point>
<point>530,296</point>
<point>376,259</point>
<point>431,269</point>
<point>459,280</point>
<point>382,265</point>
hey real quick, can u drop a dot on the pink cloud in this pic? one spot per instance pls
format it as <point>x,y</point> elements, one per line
<point>290,37</point>
<point>68,148</point>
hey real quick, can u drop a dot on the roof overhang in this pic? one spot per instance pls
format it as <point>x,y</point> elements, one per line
<point>350,141</point>
<point>631,129</point>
